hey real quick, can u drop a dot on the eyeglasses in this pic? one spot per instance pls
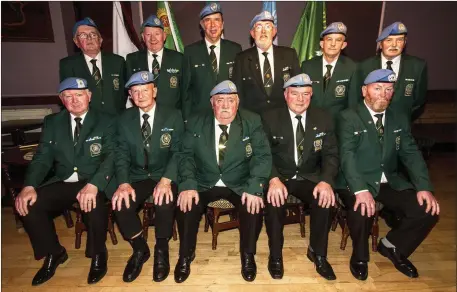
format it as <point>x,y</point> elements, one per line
<point>84,35</point>
<point>266,27</point>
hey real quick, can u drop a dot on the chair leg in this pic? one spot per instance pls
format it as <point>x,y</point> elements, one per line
<point>208,210</point>
<point>111,232</point>
<point>79,227</point>
<point>68,219</point>
<point>375,233</point>
<point>145,222</point>
<point>214,227</point>
<point>13,194</point>
<point>345,235</point>
<point>175,233</point>
<point>301,209</point>
<point>337,214</point>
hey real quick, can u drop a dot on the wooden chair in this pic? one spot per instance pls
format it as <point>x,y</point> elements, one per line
<point>295,213</point>
<point>148,219</point>
<point>81,227</point>
<point>213,213</point>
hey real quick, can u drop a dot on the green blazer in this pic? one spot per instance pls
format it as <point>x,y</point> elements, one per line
<point>198,77</point>
<point>92,157</point>
<point>247,162</point>
<point>170,77</point>
<point>112,98</point>
<point>337,97</point>
<point>410,88</point>
<point>363,160</point>
<point>165,141</point>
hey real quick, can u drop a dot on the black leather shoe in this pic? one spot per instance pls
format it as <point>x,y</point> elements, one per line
<point>248,267</point>
<point>400,262</point>
<point>49,267</point>
<point>98,268</point>
<point>276,267</point>
<point>182,269</point>
<point>359,269</point>
<point>135,264</point>
<point>161,267</point>
<point>322,265</point>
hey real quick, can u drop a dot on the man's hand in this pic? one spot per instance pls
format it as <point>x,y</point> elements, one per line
<point>253,203</point>
<point>326,195</point>
<point>87,197</point>
<point>277,192</point>
<point>123,192</point>
<point>366,202</point>
<point>431,201</point>
<point>163,189</point>
<point>185,200</point>
<point>28,194</point>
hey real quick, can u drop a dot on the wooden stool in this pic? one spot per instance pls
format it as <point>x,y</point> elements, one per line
<point>214,211</point>
<point>148,219</point>
<point>81,227</point>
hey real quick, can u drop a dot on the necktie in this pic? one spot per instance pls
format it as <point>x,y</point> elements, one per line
<point>77,130</point>
<point>300,136</point>
<point>96,73</point>
<point>146,133</point>
<point>389,65</point>
<point>212,56</point>
<point>327,76</point>
<point>380,127</point>
<point>223,138</point>
<point>155,66</point>
<point>267,78</point>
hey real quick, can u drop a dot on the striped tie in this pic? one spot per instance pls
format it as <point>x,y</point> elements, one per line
<point>223,138</point>
<point>300,136</point>
<point>212,56</point>
<point>96,72</point>
<point>146,131</point>
<point>380,127</point>
<point>267,78</point>
<point>155,66</point>
<point>327,76</point>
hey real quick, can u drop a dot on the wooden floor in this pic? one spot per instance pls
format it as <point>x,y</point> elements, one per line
<point>220,270</point>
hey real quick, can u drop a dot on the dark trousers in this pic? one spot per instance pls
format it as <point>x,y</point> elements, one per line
<point>320,219</point>
<point>250,224</point>
<point>129,221</point>
<point>407,236</point>
<point>51,201</point>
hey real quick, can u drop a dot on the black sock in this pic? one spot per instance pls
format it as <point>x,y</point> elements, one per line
<point>162,243</point>
<point>139,243</point>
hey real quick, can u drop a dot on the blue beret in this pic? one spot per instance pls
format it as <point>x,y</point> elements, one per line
<point>72,83</point>
<point>225,87</point>
<point>300,80</point>
<point>209,9</point>
<point>141,77</point>
<point>335,27</point>
<point>262,16</point>
<point>395,28</point>
<point>152,21</point>
<point>86,21</point>
<point>380,75</point>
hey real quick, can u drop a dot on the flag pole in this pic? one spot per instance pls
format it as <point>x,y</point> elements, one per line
<point>171,26</point>
<point>140,10</point>
<point>381,21</point>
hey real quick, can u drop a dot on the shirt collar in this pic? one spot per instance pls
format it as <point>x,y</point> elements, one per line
<point>217,44</point>
<point>372,112</point>
<point>269,51</point>
<point>98,57</point>
<point>395,60</point>
<point>293,115</point>
<point>83,116</point>
<point>326,63</point>
<point>159,53</point>
<point>217,123</point>
<point>150,112</point>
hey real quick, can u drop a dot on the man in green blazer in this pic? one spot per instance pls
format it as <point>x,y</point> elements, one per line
<point>373,140</point>
<point>225,155</point>
<point>164,64</point>
<point>78,143</point>
<point>104,72</point>
<point>411,86</point>
<point>332,73</point>
<point>206,62</point>
<point>146,164</point>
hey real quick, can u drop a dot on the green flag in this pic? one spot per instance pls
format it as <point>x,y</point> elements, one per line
<point>312,23</point>
<point>165,14</point>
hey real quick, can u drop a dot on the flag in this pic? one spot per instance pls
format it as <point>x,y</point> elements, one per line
<point>270,6</point>
<point>312,23</point>
<point>165,14</point>
<point>122,44</point>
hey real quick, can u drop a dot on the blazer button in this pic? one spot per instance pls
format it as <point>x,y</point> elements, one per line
<point>75,168</point>
<point>382,165</point>
<point>268,101</point>
<point>149,174</point>
<point>376,182</point>
<point>103,102</point>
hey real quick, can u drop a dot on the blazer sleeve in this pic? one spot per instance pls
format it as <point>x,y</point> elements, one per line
<point>171,171</point>
<point>65,69</point>
<point>122,161</point>
<point>421,89</point>
<point>237,78</point>
<point>186,165</point>
<point>355,90</point>
<point>330,158</point>
<point>122,79</point>
<point>269,136</point>
<point>186,97</point>
<point>295,64</point>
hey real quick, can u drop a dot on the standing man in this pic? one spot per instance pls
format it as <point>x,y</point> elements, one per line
<point>104,72</point>
<point>261,71</point>
<point>332,73</point>
<point>305,164</point>
<point>411,86</point>
<point>79,143</point>
<point>373,139</point>
<point>146,164</point>
<point>163,63</point>
<point>225,156</point>
<point>207,62</point>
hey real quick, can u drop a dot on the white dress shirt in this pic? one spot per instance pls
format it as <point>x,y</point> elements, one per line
<point>270,59</point>
<point>294,126</point>
<point>395,63</point>
<point>74,176</point>
<point>217,50</point>
<point>324,66</point>
<point>372,113</point>
<point>151,114</point>
<point>217,135</point>
<point>151,59</point>
<point>99,63</point>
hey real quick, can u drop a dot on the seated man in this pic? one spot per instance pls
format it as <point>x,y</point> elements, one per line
<point>305,163</point>
<point>146,164</point>
<point>373,139</point>
<point>225,155</point>
<point>79,143</point>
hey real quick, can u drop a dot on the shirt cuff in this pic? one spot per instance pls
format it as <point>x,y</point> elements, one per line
<point>358,192</point>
